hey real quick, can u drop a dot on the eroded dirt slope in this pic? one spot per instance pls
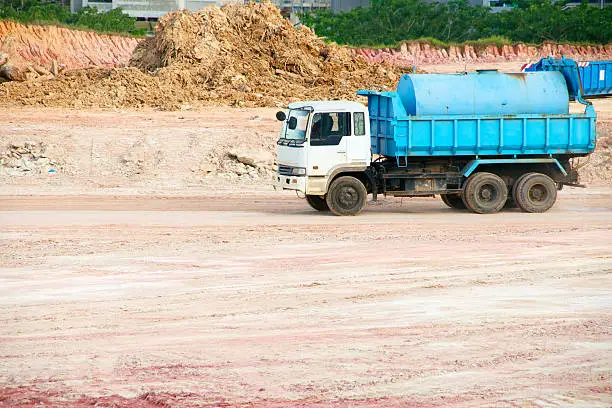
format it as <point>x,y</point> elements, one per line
<point>414,53</point>
<point>32,48</point>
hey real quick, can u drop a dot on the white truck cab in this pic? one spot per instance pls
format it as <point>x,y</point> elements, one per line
<point>319,140</point>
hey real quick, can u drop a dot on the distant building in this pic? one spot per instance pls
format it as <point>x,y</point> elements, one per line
<point>347,5</point>
<point>593,3</point>
<point>142,9</point>
<point>153,9</point>
<point>288,7</point>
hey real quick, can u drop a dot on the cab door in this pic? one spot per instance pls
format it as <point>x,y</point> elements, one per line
<point>358,150</point>
<point>329,134</point>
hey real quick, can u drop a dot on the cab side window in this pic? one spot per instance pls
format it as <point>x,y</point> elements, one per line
<point>329,128</point>
<point>359,119</point>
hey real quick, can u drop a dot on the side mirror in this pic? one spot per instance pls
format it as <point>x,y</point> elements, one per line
<point>292,122</point>
<point>280,115</point>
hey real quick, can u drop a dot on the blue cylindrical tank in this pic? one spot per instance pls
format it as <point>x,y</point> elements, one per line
<point>485,92</point>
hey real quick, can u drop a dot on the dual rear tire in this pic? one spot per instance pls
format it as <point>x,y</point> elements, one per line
<point>487,193</point>
<point>534,192</point>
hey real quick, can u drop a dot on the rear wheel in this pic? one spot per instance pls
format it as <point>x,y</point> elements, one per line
<point>484,193</point>
<point>510,203</point>
<point>317,202</point>
<point>453,201</point>
<point>346,196</point>
<point>535,192</point>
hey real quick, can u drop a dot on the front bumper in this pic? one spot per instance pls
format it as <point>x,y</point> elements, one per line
<point>296,183</point>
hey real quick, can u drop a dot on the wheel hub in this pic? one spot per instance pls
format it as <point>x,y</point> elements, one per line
<point>486,193</point>
<point>348,197</point>
<point>537,193</point>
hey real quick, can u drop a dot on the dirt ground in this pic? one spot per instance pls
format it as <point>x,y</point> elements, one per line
<point>145,271</point>
<point>256,299</point>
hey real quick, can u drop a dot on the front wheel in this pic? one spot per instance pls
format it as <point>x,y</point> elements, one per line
<point>317,202</point>
<point>346,196</point>
<point>485,193</point>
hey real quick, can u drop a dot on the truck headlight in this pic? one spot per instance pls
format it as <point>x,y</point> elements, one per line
<point>298,171</point>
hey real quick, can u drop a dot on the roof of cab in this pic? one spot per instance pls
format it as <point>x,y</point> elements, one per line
<point>340,106</point>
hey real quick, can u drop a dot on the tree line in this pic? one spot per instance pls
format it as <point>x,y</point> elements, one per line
<point>388,22</point>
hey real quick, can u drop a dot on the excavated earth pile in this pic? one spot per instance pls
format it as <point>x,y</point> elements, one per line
<point>239,55</point>
<point>30,52</point>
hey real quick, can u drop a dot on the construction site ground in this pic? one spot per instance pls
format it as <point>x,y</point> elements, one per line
<point>143,266</point>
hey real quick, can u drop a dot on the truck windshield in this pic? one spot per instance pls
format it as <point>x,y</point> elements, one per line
<point>298,134</point>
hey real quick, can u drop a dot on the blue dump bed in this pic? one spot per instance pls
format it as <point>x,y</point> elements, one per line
<point>396,134</point>
<point>595,76</point>
<point>479,114</point>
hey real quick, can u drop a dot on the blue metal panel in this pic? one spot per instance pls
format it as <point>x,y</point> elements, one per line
<point>397,134</point>
<point>473,164</point>
<point>596,78</point>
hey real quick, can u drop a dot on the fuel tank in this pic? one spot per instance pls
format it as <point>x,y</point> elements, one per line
<point>484,92</point>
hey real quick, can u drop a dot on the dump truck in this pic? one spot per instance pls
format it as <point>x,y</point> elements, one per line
<point>595,77</point>
<point>481,140</point>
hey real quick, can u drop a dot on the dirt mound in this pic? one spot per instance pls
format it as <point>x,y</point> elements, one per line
<point>240,55</point>
<point>33,50</point>
<point>415,53</point>
<point>597,167</point>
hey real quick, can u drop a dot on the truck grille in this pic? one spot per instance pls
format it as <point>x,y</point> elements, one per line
<point>285,170</point>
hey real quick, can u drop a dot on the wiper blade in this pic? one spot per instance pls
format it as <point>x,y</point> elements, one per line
<point>295,142</point>
<point>290,142</point>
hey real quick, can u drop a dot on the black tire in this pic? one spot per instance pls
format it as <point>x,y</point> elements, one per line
<point>535,192</point>
<point>453,201</point>
<point>346,196</point>
<point>317,202</point>
<point>484,193</point>
<point>516,183</point>
<point>510,203</point>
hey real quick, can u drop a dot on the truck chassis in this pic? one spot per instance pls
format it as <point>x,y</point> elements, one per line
<point>482,185</point>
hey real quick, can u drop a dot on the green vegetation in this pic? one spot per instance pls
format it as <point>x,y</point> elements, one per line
<point>389,22</point>
<point>38,12</point>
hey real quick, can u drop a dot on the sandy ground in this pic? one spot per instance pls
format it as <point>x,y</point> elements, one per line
<point>258,299</point>
<point>132,277</point>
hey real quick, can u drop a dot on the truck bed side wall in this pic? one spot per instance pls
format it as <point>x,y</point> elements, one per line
<point>395,134</point>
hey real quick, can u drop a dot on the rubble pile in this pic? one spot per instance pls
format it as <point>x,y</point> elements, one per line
<point>241,55</point>
<point>29,157</point>
<point>243,158</point>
